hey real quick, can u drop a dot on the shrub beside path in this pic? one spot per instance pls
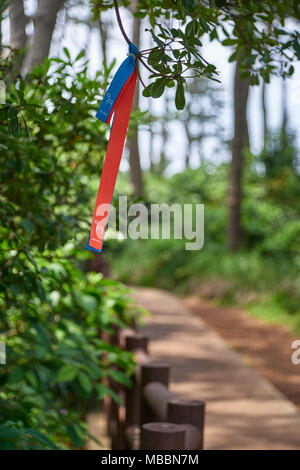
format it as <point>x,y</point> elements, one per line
<point>244,410</point>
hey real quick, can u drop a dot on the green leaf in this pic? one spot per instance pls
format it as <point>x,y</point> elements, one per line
<point>179,97</point>
<point>67,53</point>
<point>76,435</point>
<point>34,115</point>
<point>158,88</point>
<point>180,9</point>
<point>15,376</point>
<point>170,84</point>
<point>234,56</point>
<point>85,382</point>
<point>214,34</point>
<point>27,225</point>
<point>86,302</point>
<point>32,379</point>
<point>155,56</point>
<point>229,42</point>
<point>66,374</point>
<point>119,377</point>
<point>41,438</point>
<point>4,113</point>
<point>26,127</point>
<point>80,55</point>
<point>249,61</point>
<point>191,29</point>
<point>205,25</point>
<point>6,432</point>
<point>104,391</point>
<point>254,80</point>
<point>14,127</point>
<point>152,19</point>
<point>147,91</point>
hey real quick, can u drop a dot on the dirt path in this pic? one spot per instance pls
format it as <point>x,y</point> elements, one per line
<point>264,347</point>
<point>244,411</point>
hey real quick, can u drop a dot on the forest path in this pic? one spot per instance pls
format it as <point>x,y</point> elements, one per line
<point>244,410</point>
<point>263,346</point>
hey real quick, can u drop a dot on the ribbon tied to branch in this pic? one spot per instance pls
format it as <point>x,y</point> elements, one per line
<point>117,102</point>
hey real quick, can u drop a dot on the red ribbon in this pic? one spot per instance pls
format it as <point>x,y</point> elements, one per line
<point>122,108</point>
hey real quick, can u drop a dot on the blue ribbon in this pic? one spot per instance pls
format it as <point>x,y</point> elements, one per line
<point>119,80</point>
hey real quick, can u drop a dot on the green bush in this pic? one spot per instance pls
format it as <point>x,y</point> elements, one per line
<point>268,261</point>
<point>51,312</point>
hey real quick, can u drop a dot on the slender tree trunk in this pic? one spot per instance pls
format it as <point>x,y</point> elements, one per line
<point>164,136</point>
<point>199,150</point>
<point>103,37</point>
<point>17,22</point>
<point>18,38</point>
<point>186,125</point>
<point>284,105</point>
<point>133,144</point>
<point>284,126</point>
<point>264,110</point>
<point>189,146</point>
<point>239,143</point>
<point>44,22</point>
<point>187,156</point>
<point>151,129</point>
<point>151,138</point>
<point>1,44</point>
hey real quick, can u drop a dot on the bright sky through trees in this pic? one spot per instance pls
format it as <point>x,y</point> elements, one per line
<point>75,37</point>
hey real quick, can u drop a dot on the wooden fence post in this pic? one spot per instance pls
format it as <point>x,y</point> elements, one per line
<point>162,436</point>
<point>191,414</point>
<point>152,372</point>
<point>134,342</point>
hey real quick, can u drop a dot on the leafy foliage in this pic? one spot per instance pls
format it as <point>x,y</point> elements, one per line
<point>265,272</point>
<point>279,154</point>
<point>52,313</point>
<point>256,31</point>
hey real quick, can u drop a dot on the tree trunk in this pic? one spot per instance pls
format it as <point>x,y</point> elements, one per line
<point>17,22</point>
<point>284,126</point>
<point>103,37</point>
<point>264,110</point>
<point>151,137</point>
<point>133,144</point>
<point>284,105</point>
<point>240,141</point>
<point>188,150</point>
<point>44,22</point>
<point>164,136</point>
<point>18,38</point>
<point>1,42</point>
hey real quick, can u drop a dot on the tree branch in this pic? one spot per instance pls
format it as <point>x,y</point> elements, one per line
<point>120,22</point>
